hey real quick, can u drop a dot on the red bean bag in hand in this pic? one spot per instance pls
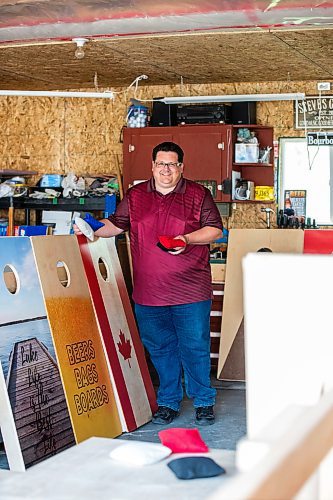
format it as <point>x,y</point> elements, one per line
<point>169,243</point>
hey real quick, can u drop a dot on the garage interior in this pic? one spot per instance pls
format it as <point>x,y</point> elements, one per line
<point>184,49</point>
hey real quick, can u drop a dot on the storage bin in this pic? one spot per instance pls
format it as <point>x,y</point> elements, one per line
<point>137,116</point>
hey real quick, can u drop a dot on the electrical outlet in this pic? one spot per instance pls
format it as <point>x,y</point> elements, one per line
<point>323,86</point>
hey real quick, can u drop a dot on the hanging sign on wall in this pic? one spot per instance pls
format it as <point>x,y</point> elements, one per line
<point>320,138</point>
<point>296,199</point>
<point>314,112</point>
<point>211,185</point>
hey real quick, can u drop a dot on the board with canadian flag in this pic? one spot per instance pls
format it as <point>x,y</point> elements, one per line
<point>121,339</point>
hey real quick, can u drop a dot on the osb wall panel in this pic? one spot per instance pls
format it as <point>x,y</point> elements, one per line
<point>249,215</point>
<point>56,135</point>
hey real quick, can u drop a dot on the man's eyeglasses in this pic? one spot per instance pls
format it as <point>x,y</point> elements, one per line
<point>171,165</point>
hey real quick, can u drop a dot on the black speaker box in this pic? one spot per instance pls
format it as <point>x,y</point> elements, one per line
<point>244,113</point>
<point>163,115</point>
<point>203,113</point>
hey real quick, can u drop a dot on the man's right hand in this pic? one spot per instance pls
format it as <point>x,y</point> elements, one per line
<point>76,230</point>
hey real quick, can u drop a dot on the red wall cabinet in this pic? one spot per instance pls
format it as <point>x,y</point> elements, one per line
<point>207,151</point>
<point>137,148</point>
<point>209,154</point>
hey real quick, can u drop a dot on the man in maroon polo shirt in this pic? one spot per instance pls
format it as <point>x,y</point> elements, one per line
<point>172,289</point>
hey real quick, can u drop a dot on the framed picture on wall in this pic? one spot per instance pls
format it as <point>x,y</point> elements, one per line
<point>210,184</point>
<point>296,200</point>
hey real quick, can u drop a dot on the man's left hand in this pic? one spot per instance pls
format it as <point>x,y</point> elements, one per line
<point>178,250</point>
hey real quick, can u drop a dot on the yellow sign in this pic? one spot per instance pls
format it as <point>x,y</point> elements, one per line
<point>264,193</point>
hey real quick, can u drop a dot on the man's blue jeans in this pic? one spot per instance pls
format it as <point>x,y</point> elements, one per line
<point>178,337</point>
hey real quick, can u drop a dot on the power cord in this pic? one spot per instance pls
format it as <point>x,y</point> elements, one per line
<point>318,132</point>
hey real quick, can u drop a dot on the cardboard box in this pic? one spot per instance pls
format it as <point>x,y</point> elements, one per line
<point>246,153</point>
<point>218,271</point>
<point>51,180</point>
<point>62,221</point>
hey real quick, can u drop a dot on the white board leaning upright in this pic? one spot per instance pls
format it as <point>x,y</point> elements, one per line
<point>288,340</point>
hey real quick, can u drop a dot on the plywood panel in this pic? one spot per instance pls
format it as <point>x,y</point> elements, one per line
<point>44,134</point>
<point>224,56</point>
<point>32,432</point>
<point>234,367</point>
<point>121,339</point>
<point>240,243</point>
<point>82,362</point>
<point>51,135</point>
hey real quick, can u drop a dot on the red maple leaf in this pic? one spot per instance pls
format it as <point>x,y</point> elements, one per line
<point>124,347</point>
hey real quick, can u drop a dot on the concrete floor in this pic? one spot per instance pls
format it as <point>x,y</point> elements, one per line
<point>229,427</point>
<point>230,419</point>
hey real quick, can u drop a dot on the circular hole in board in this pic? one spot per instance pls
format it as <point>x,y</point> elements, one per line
<point>265,249</point>
<point>63,274</point>
<point>104,270</point>
<point>11,279</point>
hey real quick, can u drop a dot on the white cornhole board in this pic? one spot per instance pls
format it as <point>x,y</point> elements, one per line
<point>288,339</point>
<point>288,332</point>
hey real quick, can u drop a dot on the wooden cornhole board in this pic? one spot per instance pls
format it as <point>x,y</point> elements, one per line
<point>83,366</point>
<point>122,344</point>
<point>34,417</point>
<point>240,243</point>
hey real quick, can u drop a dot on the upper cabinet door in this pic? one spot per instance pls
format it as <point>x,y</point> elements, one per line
<point>138,147</point>
<point>207,156</point>
<point>207,153</point>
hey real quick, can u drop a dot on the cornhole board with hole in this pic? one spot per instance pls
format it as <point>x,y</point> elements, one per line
<point>122,344</point>
<point>240,243</point>
<point>34,417</point>
<point>83,366</point>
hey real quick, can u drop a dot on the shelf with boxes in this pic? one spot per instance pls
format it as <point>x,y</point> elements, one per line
<point>103,204</point>
<point>252,166</point>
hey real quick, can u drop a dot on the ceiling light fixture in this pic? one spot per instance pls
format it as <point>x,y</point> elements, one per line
<point>232,98</point>
<point>107,94</point>
<point>55,93</point>
<point>79,53</point>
